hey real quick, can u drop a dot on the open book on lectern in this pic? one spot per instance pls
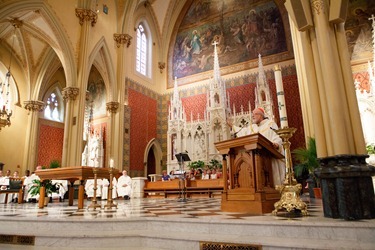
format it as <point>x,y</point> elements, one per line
<point>182,157</point>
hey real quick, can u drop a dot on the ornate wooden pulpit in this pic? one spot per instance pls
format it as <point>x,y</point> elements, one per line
<point>247,165</point>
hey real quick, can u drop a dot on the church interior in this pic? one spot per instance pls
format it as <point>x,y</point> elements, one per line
<point>132,84</point>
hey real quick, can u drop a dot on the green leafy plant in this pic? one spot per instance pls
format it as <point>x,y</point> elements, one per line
<point>307,159</point>
<point>370,148</point>
<point>54,164</point>
<point>196,165</point>
<point>37,184</point>
<point>215,164</point>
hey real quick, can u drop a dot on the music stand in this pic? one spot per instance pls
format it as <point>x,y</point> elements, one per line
<point>181,158</point>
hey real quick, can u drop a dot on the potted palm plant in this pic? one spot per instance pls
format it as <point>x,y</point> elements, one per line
<point>307,162</point>
<point>50,188</point>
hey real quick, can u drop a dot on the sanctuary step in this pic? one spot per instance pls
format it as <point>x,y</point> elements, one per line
<point>170,224</point>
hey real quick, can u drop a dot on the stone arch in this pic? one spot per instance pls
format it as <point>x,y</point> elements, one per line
<point>155,146</point>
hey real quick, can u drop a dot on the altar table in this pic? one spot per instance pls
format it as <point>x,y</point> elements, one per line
<point>71,174</point>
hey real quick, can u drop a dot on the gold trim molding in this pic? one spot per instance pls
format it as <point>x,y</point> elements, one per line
<point>34,106</point>
<point>122,39</point>
<point>318,6</point>
<point>112,107</point>
<point>70,93</point>
<point>87,15</point>
<point>161,66</point>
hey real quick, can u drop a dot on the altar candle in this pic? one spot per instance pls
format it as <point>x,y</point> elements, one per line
<point>280,97</point>
<point>111,163</point>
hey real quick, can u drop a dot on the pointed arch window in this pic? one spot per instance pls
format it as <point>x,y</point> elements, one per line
<point>141,57</point>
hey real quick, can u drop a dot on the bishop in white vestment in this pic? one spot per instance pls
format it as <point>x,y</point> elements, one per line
<point>264,126</point>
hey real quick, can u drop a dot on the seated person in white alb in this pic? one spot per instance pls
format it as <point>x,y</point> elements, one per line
<point>28,183</point>
<point>14,197</point>
<point>205,175</point>
<point>62,186</point>
<point>213,174</point>
<point>124,185</point>
<point>4,182</point>
<point>89,188</point>
<point>105,188</point>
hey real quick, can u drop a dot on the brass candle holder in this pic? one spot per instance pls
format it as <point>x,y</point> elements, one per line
<point>94,204</point>
<point>110,203</point>
<point>290,189</point>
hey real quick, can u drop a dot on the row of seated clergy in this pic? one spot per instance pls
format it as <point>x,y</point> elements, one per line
<point>121,188</point>
<point>9,184</point>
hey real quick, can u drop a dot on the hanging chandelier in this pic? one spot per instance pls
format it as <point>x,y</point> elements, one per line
<point>5,93</point>
<point>5,112</point>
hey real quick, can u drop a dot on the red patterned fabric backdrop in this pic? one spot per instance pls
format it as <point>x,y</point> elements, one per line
<point>50,143</point>
<point>143,117</point>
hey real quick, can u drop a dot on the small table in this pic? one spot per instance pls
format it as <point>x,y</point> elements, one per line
<point>71,174</point>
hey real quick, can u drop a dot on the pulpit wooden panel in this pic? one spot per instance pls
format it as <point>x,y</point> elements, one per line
<point>247,164</point>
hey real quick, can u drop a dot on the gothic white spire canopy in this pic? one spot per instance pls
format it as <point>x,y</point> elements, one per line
<point>261,75</point>
<point>217,76</point>
<point>262,91</point>
<point>176,96</point>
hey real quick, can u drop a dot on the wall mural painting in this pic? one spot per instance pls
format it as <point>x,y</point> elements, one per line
<point>243,29</point>
<point>358,29</point>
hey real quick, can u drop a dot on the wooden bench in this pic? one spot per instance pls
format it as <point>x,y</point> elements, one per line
<point>15,187</point>
<point>195,187</point>
<point>161,188</point>
<point>204,187</point>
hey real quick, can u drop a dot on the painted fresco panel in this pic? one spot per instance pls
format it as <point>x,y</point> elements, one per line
<point>241,28</point>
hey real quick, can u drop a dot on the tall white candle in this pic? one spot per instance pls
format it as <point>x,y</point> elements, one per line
<point>280,97</point>
<point>111,163</point>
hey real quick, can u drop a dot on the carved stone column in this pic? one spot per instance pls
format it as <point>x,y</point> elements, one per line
<point>112,108</point>
<point>325,70</point>
<point>87,20</point>
<point>34,107</point>
<point>119,150</point>
<point>69,95</point>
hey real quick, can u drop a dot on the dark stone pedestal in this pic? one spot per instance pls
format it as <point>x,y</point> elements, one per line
<point>347,188</point>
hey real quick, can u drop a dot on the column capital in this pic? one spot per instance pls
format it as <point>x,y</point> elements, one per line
<point>161,66</point>
<point>86,15</point>
<point>70,93</point>
<point>122,39</point>
<point>34,106</point>
<point>112,107</point>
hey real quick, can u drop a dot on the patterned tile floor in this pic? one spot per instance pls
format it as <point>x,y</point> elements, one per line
<point>192,208</point>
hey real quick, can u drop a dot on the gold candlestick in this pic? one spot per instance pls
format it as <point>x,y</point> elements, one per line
<point>110,203</point>
<point>290,189</point>
<point>94,204</point>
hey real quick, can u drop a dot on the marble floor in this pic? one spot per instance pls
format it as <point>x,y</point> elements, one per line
<point>162,208</point>
<point>195,210</point>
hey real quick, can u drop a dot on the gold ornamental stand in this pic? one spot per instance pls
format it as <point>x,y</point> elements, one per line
<point>110,203</point>
<point>290,189</point>
<point>94,204</point>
